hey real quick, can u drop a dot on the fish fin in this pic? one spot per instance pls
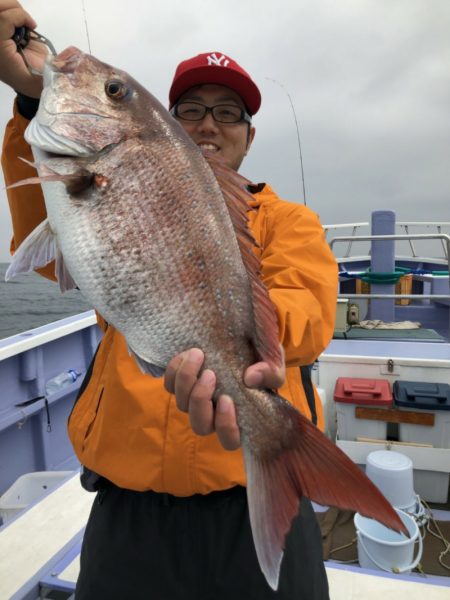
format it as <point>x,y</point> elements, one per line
<point>27,181</point>
<point>146,367</point>
<point>63,276</point>
<point>47,174</point>
<point>237,199</point>
<point>303,463</point>
<point>36,250</point>
<point>75,182</point>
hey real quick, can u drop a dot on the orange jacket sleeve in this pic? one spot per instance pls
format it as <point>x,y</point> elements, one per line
<point>301,273</point>
<point>26,203</point>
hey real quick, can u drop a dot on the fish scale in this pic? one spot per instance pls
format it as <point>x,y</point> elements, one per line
<point>183,290</point>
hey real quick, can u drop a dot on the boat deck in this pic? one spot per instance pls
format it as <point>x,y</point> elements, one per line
<point>40,550</point>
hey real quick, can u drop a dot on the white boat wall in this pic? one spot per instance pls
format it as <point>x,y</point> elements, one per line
<point>40,544</point>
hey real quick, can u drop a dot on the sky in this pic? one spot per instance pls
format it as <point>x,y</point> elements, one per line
<point>369,83</point>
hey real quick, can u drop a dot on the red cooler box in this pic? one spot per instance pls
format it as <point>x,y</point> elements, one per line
<point>351,392</point>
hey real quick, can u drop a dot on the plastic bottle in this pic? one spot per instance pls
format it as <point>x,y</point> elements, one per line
<point>61,381</point>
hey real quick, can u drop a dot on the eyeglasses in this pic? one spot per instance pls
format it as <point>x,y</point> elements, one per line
<point>222,113</point>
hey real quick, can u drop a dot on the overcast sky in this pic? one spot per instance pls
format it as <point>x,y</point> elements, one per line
<point>369,80</point>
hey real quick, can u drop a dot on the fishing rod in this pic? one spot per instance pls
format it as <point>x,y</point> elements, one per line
<point>86,26</point>
<point>298,134</point>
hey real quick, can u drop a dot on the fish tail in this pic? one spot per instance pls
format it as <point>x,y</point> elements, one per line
<point>304,462</point>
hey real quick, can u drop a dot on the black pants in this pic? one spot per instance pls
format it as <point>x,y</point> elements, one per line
<point>149,546</point>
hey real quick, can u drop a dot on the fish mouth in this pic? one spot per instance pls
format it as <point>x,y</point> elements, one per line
<point>66,61</point>
<point>44,138</point>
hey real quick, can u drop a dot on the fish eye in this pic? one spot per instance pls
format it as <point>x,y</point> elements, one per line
<point>116,89</point>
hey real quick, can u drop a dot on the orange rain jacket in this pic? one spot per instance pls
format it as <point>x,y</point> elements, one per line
<point>125,426</point>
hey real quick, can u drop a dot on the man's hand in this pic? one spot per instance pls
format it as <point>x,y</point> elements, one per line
<point>13,70</point>
<point>194,394</point>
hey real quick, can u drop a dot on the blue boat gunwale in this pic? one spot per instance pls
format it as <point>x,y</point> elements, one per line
<point>32,338</point>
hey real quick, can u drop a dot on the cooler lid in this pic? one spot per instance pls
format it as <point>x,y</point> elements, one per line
<point>422,394</point>
<point>373,392</point>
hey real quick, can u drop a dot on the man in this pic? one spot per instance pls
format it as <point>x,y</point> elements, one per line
<point>171,518</point>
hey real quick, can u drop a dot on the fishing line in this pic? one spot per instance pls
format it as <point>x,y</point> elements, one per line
<point>86,26</point>
<point>298,134</point>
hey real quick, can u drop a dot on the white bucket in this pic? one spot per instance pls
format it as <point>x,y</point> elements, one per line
<point>382,549</point>
<point>392,473</point>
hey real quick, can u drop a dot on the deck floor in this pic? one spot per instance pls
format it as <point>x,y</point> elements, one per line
<point>46,539</point>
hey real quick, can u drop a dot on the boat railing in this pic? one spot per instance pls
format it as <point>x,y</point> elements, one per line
<point>403,226</point>
<point>412,236</point>
<point>34,338</point>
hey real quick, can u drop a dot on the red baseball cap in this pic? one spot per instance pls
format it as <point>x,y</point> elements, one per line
<point>215,67</point>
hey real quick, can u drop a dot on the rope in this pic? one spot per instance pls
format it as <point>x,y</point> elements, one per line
<point>343,547</point>
<point>439,535</point>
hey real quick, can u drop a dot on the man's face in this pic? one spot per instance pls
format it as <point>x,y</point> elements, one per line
<point>230,140</point>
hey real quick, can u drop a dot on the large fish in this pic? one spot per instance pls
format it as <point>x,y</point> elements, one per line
<point>156,238</point>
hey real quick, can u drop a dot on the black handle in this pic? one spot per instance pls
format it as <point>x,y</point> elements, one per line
<point>21,36</point>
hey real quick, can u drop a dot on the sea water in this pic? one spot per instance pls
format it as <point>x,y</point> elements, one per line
<point>29,301</point>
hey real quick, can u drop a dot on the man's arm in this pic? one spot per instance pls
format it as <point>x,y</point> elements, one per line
<point>301,274</point>
<point>26,203</point>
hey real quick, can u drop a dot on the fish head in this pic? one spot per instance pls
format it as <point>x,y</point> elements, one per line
<point>87,106</point>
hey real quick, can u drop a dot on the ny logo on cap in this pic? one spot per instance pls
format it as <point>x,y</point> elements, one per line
<point>217,61</point>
